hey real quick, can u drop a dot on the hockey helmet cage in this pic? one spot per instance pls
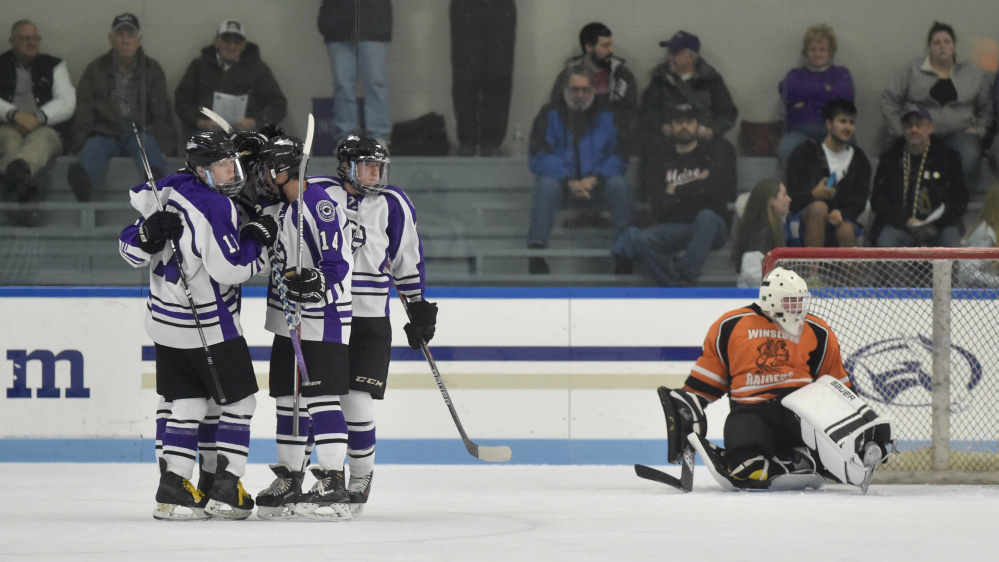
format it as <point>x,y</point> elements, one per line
<point>214,153</point>
<point>355,153</point>
<point>784,297</point>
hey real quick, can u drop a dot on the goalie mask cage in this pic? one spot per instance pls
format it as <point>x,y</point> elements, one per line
<point>919,334</point>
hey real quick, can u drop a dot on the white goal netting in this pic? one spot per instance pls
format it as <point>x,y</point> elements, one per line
<point>919,334</point>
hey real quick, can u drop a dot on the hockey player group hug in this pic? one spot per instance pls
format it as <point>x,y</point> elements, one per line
<point>332,247</point>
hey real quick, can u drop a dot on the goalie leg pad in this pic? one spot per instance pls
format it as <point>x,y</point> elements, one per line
<point>837,425</point>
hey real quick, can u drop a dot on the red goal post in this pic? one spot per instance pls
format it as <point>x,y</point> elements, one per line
<point>919,335</point>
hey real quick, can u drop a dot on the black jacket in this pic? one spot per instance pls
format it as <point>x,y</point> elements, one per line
<point>943,182</point>
<point>668,166</point>
<point>42,70</point>
<point>706,91</point>
<point>336,20</point>
<point>807,165</point>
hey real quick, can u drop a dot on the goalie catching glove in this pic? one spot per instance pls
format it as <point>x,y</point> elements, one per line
<point>307,288</point>
<point>422,323</point>
<point>157,229</point>
<point>263,229</point>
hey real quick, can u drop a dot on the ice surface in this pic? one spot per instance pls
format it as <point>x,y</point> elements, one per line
<point>509,513</point>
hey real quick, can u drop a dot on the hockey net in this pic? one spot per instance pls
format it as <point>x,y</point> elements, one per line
<point>919,335</point>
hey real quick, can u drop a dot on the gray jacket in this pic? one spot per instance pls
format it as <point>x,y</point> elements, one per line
<point>973,107</point>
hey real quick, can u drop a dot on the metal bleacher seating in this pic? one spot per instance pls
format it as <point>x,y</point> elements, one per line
<point>473,217</point>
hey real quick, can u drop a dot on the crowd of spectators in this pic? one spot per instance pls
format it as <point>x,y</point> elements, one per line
<point>939,113</point>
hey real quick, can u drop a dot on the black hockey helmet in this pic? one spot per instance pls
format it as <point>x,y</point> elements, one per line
<point>355,150</point>
<point>214,153</point>
<point>282,153</point>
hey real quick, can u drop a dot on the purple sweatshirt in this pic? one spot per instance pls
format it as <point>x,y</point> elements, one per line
<point>814,89</point>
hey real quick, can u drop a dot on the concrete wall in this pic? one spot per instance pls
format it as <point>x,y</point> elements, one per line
<point>751,42</point>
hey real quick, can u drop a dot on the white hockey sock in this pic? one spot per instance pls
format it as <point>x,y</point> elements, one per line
<point>180,436</point>
<point>291,450</point>
<point>359,411</point>
<point>329,430</point>
<point>233,437</point>
<point>163,408</point>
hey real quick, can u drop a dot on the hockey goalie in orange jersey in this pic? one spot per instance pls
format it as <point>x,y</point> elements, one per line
<point>758,355</point>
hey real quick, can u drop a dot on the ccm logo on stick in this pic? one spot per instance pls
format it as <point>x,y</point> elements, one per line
<point>47,360</point>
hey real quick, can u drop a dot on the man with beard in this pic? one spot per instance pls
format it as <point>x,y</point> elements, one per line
<point>613,82</point>
<point>689,185</point>
<point>919,193</point>
<point>829,182</point>
<point>575,152</point>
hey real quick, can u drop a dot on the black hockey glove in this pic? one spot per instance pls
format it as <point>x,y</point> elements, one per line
<point>308,288</point>
<point>157,229</point>
<point>422,323</point>
<point>690,407</point>
<point>263,229</point>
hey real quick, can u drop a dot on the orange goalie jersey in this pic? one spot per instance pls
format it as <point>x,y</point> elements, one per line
<point>746,356</point>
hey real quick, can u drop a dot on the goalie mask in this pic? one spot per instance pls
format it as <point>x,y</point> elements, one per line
<point>212,157</point>
<point>364,162</point>
<point>784,298</point>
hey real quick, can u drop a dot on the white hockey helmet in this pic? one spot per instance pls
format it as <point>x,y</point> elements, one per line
<point>784,298</point>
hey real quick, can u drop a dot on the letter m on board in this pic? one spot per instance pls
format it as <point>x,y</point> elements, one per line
<point>47,360</point>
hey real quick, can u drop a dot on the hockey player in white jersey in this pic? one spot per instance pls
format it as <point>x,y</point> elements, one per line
<point>323,290</point>
<point>201,358</point>
<point>387,250</point>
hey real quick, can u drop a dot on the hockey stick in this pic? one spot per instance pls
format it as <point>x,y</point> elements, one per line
<point>501,453</point>
<point>173,246</point>
<point>298,268</point>
<point>217,119</point>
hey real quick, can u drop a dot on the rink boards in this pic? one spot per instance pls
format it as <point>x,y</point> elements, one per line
<point>562,375</point>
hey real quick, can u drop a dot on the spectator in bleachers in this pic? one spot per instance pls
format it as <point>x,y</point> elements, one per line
<point>957,94</point>
<point>230,78</point>
<point>919,194</point>
<point>482,38</point>
<point>36,103</point>
<point>983,273</point>
<point>359,56</point>
<point>806,89</point>
<point>575,152</point>
<point>686,78</point>
<point>760,229</point>
<point>102,126</point>
<point>689,186</point>
<point>613,82</point>
<point>829,182</point>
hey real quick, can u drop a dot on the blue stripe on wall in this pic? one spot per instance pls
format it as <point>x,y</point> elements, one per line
<point>390,451</point>
<point>513,353</point>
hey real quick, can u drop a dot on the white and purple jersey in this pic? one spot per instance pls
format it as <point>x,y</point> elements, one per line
<point>385,241</point>
<point>215,261</point>
<point>326,230</point>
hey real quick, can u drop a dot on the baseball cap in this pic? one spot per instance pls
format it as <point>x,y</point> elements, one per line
<point>914,109</point>
<point>125,19</point>
<point>684,110</point>
<point>231,27</point>
<point>682,40</point>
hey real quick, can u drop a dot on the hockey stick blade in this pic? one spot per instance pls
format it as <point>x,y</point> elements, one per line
<point>501,453</point>
<point>217,119</point>
<point>649,473</point>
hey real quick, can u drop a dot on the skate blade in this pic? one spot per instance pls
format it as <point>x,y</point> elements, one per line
<point>356,509</point>
<point>173,512</point>
<point>872,458</point>
<point>329,512</point>
<point>286,511</point>
<point>221,510</point>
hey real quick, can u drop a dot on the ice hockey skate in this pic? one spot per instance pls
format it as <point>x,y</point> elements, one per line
<point>227,498</point>
<point>780,479</point>
<point>177,499</point>
<point>872,456</point>
<point>278,501</point>
<point>358,489</point>
<point>328,500</point>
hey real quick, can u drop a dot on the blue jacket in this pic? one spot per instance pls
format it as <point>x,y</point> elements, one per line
<point>555,152</point>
